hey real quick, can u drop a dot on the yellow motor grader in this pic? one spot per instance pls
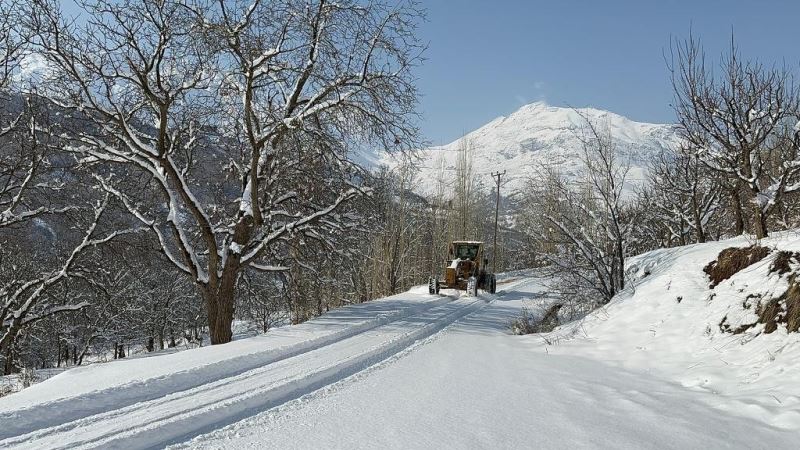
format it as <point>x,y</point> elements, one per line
<point>466,270</point>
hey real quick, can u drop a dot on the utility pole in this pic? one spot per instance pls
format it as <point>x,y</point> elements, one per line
<point>496,212</point>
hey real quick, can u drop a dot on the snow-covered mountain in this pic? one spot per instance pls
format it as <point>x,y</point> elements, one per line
<point>542,134</point>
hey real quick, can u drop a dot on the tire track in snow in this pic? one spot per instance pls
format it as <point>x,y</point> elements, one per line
<point>182,415</point>
<point>70,409</point>
<point>323,391</point>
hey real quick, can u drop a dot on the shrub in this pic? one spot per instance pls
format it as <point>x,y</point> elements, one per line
<point>773,312</point>
<point>783,262</point>
<point>528,323</point>
<point>732,260</point>
<point>784,310</point>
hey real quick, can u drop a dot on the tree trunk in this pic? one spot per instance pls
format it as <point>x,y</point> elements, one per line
<point>8,367</point>
<point>738,214</point>
<point>58,351</point>
<point>621,265</point>
<point>219,323</point>
<point>219,305</point>
<point>85,349</point>
<point>698,221</point>
<point>160,339</point>
<point>760,223</point>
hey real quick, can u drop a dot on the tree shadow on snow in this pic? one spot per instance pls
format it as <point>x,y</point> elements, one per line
<point>497,316</point>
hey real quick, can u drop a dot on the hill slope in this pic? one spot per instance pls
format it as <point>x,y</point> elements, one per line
<point>670,321</point>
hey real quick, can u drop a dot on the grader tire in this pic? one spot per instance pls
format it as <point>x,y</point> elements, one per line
<point>433,285</point>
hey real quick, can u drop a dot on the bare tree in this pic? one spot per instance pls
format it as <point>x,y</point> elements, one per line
<point>740,123</point>
<point>17,163</point>
<point>260,300</point>
<point>468,212</point>
<point>394,240</point>
<point>29,190</point>
<point>232,111</point>
<point>23,301</point>
<point>582,222</point>
<point>686,193</point>
<point>12,41</point>
<point>440,210</point>
<point>465,187</point>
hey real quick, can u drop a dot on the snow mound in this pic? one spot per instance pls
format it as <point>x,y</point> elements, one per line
<point>671,321</point>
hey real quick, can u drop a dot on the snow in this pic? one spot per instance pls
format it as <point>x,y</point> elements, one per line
<point>245,204</point>
<point>648,329</point>
<point>475,386</point>
<point>83,394</point>
<point>540,134</point>
<point>34,68</point>
<point>422,371</point>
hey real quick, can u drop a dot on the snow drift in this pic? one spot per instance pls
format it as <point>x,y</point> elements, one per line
<point>674,322</point>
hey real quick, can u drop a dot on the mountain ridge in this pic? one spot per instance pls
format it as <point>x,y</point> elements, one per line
<point>540,134</point>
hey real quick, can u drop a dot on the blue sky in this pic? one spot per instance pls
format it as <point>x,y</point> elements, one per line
<point>487,58</point>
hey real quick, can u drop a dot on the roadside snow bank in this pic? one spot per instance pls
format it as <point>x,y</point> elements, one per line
<point>671,323</point>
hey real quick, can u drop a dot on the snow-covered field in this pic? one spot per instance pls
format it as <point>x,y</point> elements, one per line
<point>422,371</point>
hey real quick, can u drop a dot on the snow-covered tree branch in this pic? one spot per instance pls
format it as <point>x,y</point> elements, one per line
<point>233,112</point>
<point>22,301</point>
<point>582,222</point>
<point>741,123</point>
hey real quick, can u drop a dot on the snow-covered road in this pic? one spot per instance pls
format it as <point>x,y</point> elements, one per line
<point>151,413</point>
<point>474,386</point>
<point>412,371</point>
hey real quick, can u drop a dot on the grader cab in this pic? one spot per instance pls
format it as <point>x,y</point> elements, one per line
<point>466,270</point>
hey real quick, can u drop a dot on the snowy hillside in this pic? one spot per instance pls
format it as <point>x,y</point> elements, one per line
<point>711,340</point>
<point>541,134</point>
